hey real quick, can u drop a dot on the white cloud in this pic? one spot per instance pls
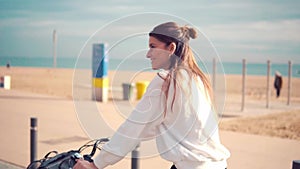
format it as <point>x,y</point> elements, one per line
<point>257,41</point>
<point>254,27</point>
<point>261,31</point>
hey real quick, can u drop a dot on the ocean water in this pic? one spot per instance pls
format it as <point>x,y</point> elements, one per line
<point>144,65</point>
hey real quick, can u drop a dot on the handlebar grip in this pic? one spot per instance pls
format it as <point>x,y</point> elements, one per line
<point>103,140</point>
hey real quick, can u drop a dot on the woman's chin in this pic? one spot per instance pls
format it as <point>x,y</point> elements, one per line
<point>154,67</point>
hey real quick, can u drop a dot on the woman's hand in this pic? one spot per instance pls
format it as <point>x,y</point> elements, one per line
<point>82,164</point>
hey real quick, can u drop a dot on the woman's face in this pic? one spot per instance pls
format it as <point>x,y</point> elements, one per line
<point>159,54</point>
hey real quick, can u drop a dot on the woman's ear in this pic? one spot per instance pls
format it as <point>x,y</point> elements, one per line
<point>172,47</point>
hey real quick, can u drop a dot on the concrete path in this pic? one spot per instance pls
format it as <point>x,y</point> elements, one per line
<point>59,129</point>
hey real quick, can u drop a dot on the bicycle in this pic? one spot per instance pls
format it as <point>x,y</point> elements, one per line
<point>67,160</point>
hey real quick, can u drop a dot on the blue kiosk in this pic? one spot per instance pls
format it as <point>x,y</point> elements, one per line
<point>100,82</point>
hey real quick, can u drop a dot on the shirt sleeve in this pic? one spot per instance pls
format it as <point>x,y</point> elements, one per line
<point>140,125</point>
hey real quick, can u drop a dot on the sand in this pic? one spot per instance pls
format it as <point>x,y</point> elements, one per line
<point>62,82</point>
<point>47,94</point>
<point>58,82</point>
<point>283,125</point>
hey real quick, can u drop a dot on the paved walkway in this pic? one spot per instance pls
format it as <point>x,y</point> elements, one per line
<point>59,129</point>
<point>8,165</point>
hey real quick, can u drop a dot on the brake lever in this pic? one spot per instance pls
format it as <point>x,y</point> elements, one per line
<point>88,158</point>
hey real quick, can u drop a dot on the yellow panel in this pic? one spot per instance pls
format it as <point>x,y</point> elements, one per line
<point>100,82</point>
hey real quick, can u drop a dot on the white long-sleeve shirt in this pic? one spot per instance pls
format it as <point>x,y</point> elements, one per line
<point>187,135</point>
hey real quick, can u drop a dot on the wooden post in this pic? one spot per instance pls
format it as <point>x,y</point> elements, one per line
<point>243,84</point>
<point>214,74</point>
<point>268,84</point>
<point>289,83</point>
<point>54,48</point>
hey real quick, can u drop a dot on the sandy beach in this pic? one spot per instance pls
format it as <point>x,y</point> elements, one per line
<point>62,82</point>
<point>279,121</point>
<point>59,82</point>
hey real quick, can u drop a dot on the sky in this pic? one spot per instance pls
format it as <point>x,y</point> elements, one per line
<point>254,30</point>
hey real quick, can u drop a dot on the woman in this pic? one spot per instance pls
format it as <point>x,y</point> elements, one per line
<point>177,109</point>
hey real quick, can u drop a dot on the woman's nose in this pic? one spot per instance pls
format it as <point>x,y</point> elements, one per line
<point>148,55</point>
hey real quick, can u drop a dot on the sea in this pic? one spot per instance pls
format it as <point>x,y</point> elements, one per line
<point>234,68</point>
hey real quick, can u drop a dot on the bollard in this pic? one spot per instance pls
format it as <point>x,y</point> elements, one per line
<point>135,158</point>
<point>296,164</point>
<point>33,139</point>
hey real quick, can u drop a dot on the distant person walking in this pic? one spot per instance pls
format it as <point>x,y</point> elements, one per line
<point>8,65</point>
<point>278,83</point>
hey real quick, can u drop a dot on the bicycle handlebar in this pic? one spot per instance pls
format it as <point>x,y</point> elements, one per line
<point>67,159</point>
